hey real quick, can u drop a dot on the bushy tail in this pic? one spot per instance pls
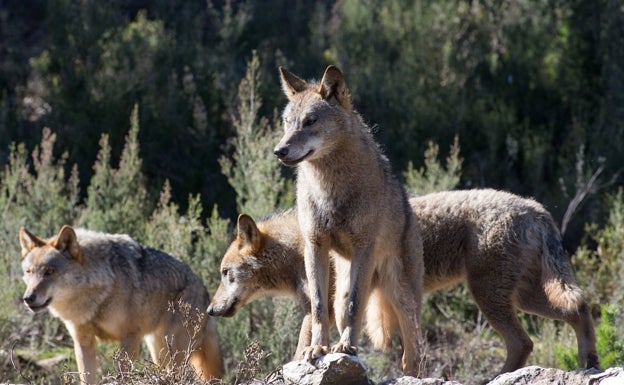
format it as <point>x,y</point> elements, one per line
<point>206,359</point>
<point>381,321</point>
<point>558,278</point>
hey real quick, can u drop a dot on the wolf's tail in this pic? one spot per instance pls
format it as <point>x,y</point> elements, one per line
<point>558,278</point>
<point>381,321</point>
<point>206,359</point>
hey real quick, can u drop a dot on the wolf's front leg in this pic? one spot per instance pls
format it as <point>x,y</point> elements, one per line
<point>317,271</point>
<point>84,348</point>
<point>129,348</point>
<point>359,275</point>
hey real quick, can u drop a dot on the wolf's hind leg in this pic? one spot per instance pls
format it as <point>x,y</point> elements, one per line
<point>535,301</point>
<point>403,296</point>
<point>496,304</point>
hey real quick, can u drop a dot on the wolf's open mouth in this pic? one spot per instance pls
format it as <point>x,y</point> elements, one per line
<point>38,308</point>
<point>294,162</point>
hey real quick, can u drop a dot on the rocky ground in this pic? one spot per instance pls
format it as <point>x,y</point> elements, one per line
<point>349,370</point>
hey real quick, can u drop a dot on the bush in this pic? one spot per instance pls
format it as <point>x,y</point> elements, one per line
<point>434,176</point>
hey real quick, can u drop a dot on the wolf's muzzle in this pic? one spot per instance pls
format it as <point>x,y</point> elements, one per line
<point>31,301</point>
<point>281,151</point>
<point>222,311</point>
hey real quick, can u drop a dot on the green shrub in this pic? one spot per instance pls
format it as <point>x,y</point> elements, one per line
<point>609,342</point>
<point>600,266</point>
<point>252,170</point>
<point>434,176</point>
<point>117,199</point>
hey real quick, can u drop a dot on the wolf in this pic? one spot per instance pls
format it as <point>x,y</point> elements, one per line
<point>111,287</point>
<point>507,248</point>
<point>266,259</point>
<point>349,202</point>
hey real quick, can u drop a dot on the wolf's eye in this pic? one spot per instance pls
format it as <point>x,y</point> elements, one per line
<point>28,271</point>
<point>307,122</point>
<point>48,272</point>
<point>224,272</point>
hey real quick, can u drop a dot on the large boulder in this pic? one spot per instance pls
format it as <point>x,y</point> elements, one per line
<point>335,368</point>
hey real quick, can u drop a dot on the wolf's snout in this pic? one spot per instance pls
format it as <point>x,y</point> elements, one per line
<point>30,299</point>
<point>281,151</point>
<point>35,303</point>
<point>210,310</point>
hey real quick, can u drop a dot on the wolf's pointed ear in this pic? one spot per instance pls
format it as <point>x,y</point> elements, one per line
<point>248,232</point>
<point>334,85</point>
<point>28,241</point>
<point>291,84</point>
<point>66,241</point>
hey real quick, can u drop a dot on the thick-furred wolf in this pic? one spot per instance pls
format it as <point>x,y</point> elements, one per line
<point>111,287</point>
<point>349,202</point>
<point>506,248</point>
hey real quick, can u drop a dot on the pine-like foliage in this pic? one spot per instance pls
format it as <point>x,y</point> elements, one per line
<point>117,200</point>
<point>434,176</point>
<point>252,169</point>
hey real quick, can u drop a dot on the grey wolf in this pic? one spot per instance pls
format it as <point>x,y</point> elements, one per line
<point>111,287</point>
<point>350,203</point>
<point>265,259</point>
<point>506,248</point>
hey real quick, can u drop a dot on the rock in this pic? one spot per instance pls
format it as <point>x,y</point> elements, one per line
<point>407,380</point>
<point>335,368</point>
<point>349,370</point>
<point>534,375</point>
<point>611,376</point>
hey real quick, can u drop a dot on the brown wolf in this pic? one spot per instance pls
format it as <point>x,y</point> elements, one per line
<point>506,247</point>
<point>110,287</point>
<point>349,202</point>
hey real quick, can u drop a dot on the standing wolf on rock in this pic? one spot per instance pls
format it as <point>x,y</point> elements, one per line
<point>111,287</point>
<point>349,202</point>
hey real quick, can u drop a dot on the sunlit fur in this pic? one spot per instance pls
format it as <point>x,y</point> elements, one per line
<point>349,204</point>
<point>506,248</point>
<point>110,287</point>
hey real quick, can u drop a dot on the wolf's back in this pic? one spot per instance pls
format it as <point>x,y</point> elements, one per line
<point>140,267</point>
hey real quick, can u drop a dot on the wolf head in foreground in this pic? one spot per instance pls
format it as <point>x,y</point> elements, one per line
<point>110,287</point>
<point>349,203</point>
<point>506,248</point>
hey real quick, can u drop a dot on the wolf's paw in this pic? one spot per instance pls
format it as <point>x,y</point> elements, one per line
<point>342,347</point>
<point>313,352</point>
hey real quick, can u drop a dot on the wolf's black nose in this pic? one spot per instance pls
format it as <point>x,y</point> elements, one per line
<point>210,310</point>
<point>281,152</point>
<point>30,299</point>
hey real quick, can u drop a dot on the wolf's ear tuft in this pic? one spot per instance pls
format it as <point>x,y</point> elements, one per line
<point>333,85</point>
<point>248,232</point>
<point>66,241</point>
<point>28,241</point>
<point>291,84</point>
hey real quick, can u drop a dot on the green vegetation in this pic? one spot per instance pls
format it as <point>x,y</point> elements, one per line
<point>158,120</point>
